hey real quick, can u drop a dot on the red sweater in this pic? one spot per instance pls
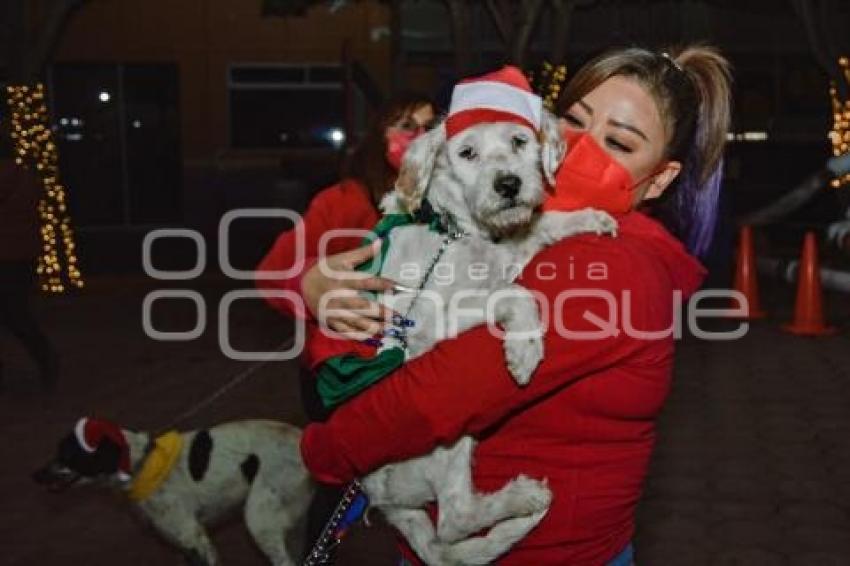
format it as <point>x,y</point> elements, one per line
<point>587,419</point>
<point>343,206</point>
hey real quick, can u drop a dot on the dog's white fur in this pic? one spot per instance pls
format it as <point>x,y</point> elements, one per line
<point>459,177</point>
<point>272,504</point>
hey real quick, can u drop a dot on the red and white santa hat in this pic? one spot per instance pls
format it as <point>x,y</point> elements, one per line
<point>500,96</point>
<point>89,434</point>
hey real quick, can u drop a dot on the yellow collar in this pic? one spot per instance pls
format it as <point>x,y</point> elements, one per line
<point>157,466</point>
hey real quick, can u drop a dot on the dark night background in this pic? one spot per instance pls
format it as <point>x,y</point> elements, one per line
<point>169,114</point>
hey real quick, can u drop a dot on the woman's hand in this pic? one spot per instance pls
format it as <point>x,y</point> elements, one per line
<point>331,290</point>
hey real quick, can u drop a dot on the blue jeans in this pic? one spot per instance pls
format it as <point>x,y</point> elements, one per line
<point>625,558</point>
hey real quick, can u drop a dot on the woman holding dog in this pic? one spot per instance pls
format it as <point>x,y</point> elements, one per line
<point>646,132</point>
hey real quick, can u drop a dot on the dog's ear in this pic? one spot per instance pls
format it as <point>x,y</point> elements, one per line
<point>417,166</point>
<point>553,147</point>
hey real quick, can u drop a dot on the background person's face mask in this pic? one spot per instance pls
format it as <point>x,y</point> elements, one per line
<point>589,177</point>
<point>397,143</point>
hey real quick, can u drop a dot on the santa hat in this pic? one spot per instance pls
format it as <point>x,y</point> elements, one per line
<point>501,96</point>
<point>89,434</point>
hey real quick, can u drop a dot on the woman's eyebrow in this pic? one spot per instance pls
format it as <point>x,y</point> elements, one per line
<point>629,127</point>
<point>586,107</point>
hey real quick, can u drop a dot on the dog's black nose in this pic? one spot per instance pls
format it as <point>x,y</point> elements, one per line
<point>507,185</point>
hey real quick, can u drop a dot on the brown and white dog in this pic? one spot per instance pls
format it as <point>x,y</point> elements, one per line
<point>181,482</point>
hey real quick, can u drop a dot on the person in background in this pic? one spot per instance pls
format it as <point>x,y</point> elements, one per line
<point>369,173</point>
<point>19,246</point>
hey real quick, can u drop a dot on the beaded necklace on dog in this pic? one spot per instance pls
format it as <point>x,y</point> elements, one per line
<point>354,502</point>
<point>403,322</point>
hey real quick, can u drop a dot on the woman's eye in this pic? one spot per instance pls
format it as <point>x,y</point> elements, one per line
<point>573,121</point>
<point>614,144</point>
<point>467,153</point>
<point>519,142</point>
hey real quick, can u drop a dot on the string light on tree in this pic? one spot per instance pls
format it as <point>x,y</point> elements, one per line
<point>549,83</point>
<point>57,264</point>
<point>840,133</point>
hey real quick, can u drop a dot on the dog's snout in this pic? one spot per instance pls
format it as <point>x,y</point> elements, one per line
<point>42,475</point>
<point>49,473</point>
<point>507,185</point>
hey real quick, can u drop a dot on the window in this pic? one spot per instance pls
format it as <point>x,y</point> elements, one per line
<point>286,106</point>
<point>118,132</point>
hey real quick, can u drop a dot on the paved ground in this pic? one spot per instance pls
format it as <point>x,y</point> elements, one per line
<point>752,467</point>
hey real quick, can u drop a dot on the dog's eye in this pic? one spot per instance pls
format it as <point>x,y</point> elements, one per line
<point>519,142</point>
<point>467,153</point>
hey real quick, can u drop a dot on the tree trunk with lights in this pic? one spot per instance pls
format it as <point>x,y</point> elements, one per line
<point>34,30</point>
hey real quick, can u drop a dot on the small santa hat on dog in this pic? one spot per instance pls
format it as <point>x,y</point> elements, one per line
<point>89,434</point>
<point>500,96</point>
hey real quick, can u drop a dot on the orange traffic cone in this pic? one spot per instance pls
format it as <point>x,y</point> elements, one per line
<point>746,279</point>
<point>808,311</point>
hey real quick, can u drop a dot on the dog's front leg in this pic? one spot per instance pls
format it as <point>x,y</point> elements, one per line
<point>183,531</point>
<point>517,312</point>
<point>553,227</point>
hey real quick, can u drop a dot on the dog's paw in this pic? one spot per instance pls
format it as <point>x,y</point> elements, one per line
<point>604,223</point>
<point>522,356</point>
<point>528,496</point>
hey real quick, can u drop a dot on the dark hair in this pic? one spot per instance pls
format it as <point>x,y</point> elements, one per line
<point>692,88</point>
<point>367,163</point>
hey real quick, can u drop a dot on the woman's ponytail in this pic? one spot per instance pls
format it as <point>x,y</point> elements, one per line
<point>699,139</point>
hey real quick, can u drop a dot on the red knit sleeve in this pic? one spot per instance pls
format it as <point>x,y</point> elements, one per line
<point>462,386</point>
<point>342,206</point>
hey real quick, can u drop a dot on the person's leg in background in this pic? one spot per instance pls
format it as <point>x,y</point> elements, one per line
<point>16,279</point>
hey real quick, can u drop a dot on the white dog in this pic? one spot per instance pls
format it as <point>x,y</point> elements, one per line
<point>195,478</point>
<point>485,185</point>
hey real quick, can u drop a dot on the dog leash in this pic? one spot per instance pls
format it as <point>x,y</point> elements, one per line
<point>218,393</point>
<point>348,511</point>
<point>403,322</point>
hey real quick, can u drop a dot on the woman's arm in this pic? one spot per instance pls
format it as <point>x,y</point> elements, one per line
<point>283,254</point>
<point>342,207</point>
<point>463,387</point>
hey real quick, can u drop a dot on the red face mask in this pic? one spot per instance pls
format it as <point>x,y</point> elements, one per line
<point>397,143</point>
<point>589,177</point>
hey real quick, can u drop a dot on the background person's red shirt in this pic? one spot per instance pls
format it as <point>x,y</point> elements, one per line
<point>344,206</point>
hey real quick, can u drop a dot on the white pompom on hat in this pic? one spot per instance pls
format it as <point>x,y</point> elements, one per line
<point>501,96</point>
